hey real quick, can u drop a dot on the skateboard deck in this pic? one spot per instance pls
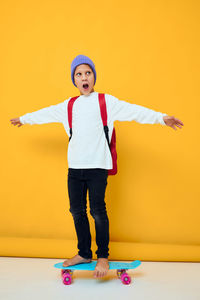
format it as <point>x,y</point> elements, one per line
<point>121,267</point>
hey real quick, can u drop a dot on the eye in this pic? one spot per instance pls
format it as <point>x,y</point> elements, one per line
<point>80,73</point>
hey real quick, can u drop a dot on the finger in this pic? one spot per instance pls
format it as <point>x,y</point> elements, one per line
<point>173,127</point>
<point>180,122</point>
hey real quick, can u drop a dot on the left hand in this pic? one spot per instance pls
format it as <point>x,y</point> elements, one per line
<point>172,121</point>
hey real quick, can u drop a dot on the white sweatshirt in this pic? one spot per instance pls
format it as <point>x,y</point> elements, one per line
<point>88,147</point>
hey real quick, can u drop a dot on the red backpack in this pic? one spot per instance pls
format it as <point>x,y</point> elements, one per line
<point>112,145</point>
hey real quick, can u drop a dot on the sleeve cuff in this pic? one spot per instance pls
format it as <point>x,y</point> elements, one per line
<point>21,120</point>
<point>161,119</point>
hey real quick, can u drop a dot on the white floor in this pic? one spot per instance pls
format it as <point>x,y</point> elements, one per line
<point>36,278</point>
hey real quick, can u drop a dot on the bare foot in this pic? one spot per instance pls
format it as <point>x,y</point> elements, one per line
<point>77,259</point>
<point>101,268</point>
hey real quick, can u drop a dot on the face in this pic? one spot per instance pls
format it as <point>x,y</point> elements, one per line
<point>84,79</point>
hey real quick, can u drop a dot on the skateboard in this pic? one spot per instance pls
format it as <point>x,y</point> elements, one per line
<point>121,267</point>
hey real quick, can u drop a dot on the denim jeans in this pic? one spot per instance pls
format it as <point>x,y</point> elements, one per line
<point>95,181</point>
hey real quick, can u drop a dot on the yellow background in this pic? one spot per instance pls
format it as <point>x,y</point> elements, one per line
<point>145,52</point>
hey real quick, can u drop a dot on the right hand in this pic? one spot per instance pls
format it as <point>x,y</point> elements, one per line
<point>16,121</point>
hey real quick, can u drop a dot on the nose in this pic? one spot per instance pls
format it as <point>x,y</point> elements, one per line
<point>84,76</point>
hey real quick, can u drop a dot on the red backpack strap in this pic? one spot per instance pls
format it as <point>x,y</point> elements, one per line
<point>102,104</point>
<point>112,144</point>
<point>69,110</point>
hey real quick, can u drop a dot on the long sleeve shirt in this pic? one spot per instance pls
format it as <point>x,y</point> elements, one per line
<point>88,147</point>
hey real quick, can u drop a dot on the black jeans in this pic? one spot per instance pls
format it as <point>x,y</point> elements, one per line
<point>95,180</point>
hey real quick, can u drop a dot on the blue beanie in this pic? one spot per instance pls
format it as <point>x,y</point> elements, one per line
<point>79,60</point>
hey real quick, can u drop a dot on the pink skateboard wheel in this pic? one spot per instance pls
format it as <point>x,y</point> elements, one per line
<point>67,279</point>
<point>125,278</point>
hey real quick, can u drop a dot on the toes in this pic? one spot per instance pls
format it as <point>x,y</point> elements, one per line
<point>65,264</point>
<point>96,274</point>
<point>99,274</point>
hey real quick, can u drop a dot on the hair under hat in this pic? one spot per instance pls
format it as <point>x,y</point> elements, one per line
<point>79,60</point>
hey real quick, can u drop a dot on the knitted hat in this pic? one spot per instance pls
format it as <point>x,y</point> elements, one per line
<point>79,60</point>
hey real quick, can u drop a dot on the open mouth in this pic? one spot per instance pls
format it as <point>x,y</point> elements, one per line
<point>85,86</point>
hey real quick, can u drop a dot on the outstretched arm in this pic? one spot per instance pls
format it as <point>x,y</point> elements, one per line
<point>124,111</point>
<point>51,114</point>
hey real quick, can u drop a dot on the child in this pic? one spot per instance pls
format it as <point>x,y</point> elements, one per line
<point>89,156</point>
